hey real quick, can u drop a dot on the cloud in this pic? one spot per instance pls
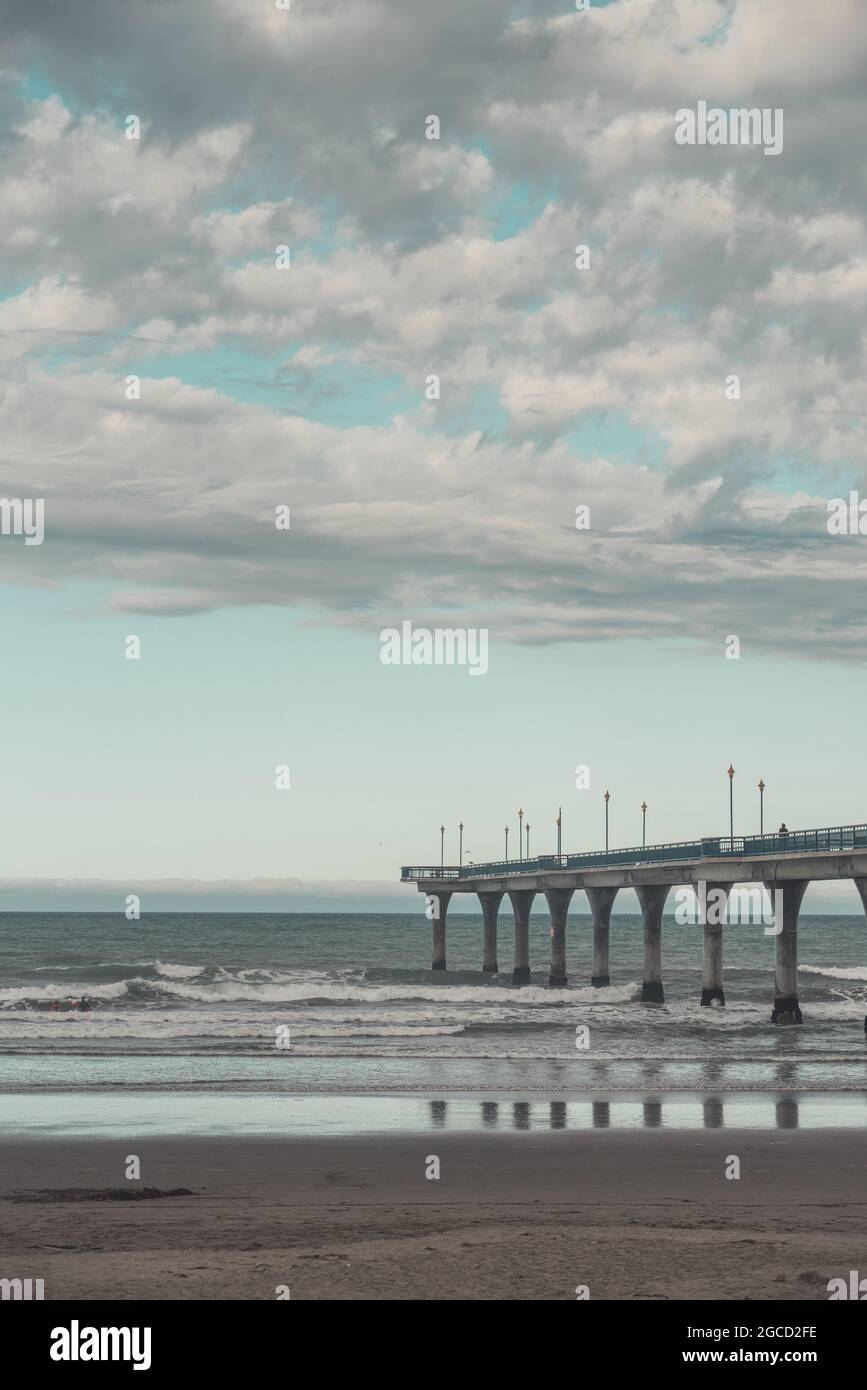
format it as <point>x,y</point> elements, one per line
<point>558,386</point>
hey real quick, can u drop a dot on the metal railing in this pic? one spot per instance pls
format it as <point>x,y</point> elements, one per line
<point>839,837</point>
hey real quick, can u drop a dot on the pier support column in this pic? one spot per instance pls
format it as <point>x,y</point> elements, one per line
<point>714,915</point>
<point>861,885</point>
<point>652,900</point>
<point>787,1010</point>
<point>438,909</point>
<point>558,906</point>
<point>601,901</point>
<point>490,907</point>
<point>522,901</point>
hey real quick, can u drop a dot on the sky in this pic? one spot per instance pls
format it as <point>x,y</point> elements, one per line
<point>170,379</point>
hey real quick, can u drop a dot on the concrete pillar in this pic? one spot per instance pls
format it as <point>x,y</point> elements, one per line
<point>438,909</point>
<point>714,914</point>
<point>652,900</point>
<point>786,1007</point>
<point>601,901</point>
<point>522,901</point>
<point>558,906</point>
<point>490,907</point>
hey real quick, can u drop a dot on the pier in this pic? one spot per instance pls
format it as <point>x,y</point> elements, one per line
<point>783,864</point>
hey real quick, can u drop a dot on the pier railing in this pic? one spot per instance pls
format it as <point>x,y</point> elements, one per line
<point>838,837</point>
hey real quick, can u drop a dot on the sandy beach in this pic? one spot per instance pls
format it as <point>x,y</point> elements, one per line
<point>647,1215</point>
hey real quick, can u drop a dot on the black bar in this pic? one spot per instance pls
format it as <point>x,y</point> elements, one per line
<point>256,1338</point>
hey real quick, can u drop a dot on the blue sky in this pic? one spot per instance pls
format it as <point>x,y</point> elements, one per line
<point>164,767</point>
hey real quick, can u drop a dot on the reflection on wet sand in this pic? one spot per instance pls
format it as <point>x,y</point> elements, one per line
<point>708,1112</point>
<point>787,1113</point>
<point>490,1111</point>
<point>714,1117</point>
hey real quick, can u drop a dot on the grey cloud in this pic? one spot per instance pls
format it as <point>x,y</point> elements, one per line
<point>704,262</point>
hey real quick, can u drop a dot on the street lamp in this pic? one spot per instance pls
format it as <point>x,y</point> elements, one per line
<point>442,845</point>
<point>607,799</point>
<point>528,839</point>
<point>761,808</point>
<point>461,843</point>
<point>732,807</point>
<point>507,843</point>
<point>559,841</point>
<point>520,835</point>
<point>643,821</point>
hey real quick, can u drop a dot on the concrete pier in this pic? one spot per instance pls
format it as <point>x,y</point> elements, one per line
<point>441,907</point>
<point>558,906</point>
<point>651,898</point>
<point>712,973</point>
<point>601,901</point>
<point>784,863</point>
<point>522,901</point>
<point>490,907</point>
<point>787,1009</point>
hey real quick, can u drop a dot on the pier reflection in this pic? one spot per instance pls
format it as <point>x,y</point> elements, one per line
<point>652,1114</point>
<point>656,1112</point>
<point>712,1108</point>
<point>787,1113</point>
<point>601,1114</point>
<point>521,1114</point>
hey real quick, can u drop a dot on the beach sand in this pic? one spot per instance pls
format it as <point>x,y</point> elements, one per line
<point>634,1215</point>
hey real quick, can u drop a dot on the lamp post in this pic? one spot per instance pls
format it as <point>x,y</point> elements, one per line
<point>520,835</point>
<point>507,843</point>
<point>442,845</point>
<point>731,807</point>
<point>461,843</point>
<point>528,839</point>
<point>761,808</point>
<point>607,799</point>
<point>643,821</point>
<point>559,841</point>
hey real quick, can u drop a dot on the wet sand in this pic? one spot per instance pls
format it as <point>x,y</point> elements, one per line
<point>646,1215</point>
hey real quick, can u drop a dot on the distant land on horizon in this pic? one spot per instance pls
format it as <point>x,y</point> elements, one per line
<point>304,896</point>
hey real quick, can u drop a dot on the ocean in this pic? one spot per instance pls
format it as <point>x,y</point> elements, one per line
<point>319,1004</point>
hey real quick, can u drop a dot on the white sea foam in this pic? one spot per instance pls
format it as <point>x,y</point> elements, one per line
<point>232,990</point>
<point>837,972</point>
<point>177,972</point>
